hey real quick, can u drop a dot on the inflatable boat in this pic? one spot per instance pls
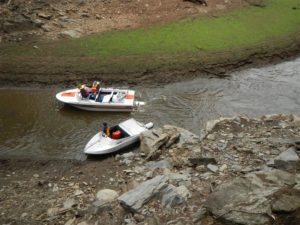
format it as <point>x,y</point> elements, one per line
<point>121,136</point>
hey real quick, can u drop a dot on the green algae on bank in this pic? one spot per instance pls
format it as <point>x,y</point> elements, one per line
<point>166,45</point>
<point>240,28</point>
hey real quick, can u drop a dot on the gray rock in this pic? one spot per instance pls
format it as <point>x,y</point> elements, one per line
<point>247,200</point>
<point>187,138</point>
<point>271,163</point>
<point>199,215</point>
<point>171,198</point>
<point>129,221</point>
<point>180,178</point>
<point>136,198</point>
<point>287,160</point>
<point>160,164</point>
<point>270,117</point>
<point>128,155</point>
<point>221,146</point>
<point>139,217</point>
<point>236,168</point>
<point>165,137</point>
<point>46,28</point>
<point>99,207</point>
<point>71,221</point>
<point>287,203</point>
<point>127,158</point>
<point>223,168</point>
<point>69,203</point>
<point>38,22</point>
<point>211,137</point>
<point>152,141</point>
<point>288,155</point>
<point>70,34</point>
<point>44,15</point>
<point>23,215</point>
<point>107,195</point>
<point>53,211</point>
<point>210,125</point>
<point>78,192</point>
<point>183,191</point>
<point>200,160</point>
<point>213,168</point>
<point>295,120</point>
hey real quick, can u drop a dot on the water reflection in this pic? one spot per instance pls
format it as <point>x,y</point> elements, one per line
<point>34,124</point>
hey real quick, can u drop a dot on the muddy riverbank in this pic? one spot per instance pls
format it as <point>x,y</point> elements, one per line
<point>26,72</point>
<point>222,38</point>
<point>187,175</point>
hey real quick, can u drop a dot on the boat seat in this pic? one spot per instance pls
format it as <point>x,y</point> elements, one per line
<point>107,98</point>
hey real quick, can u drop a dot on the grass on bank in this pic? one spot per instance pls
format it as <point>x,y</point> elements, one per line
<point>240,28</point>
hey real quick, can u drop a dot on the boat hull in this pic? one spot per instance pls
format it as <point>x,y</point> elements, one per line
<point>73,98</point>
<point>102,144</point>
<point>97,149</point>
<point>104,108</point>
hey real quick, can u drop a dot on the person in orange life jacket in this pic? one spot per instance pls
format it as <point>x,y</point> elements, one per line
<point>83,91</point>
<point>95,87</point>
<point>106,129</point>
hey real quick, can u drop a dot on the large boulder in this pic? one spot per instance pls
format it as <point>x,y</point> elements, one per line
<point>247,200</point>
<point>136,198</point>
<point>286,201</point>
<point>154,141</point>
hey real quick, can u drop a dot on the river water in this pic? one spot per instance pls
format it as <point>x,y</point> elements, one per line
<point>34,125</point>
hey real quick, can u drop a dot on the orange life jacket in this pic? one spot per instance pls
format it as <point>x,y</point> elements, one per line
<point>94,89</point>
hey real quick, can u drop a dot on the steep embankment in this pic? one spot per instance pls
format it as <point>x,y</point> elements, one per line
<point>215,44</point>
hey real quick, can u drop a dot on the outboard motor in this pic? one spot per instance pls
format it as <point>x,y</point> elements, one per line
<point>149,125</point>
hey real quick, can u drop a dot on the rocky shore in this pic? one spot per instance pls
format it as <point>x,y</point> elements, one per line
<point>21,20</point>
<point>239,171</point>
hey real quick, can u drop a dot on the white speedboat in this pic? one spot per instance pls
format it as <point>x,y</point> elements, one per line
<point>106,99</point>
<point>122,135</point>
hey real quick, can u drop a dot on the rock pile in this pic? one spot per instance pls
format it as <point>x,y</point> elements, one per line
<point>255,161</point>
<point>240,171</point>
<point>21,20</point>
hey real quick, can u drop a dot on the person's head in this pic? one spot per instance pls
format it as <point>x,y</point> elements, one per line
<point>105,124</point>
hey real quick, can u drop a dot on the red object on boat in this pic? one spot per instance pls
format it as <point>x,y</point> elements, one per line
<point>68,94</point>
<point>116,135</point>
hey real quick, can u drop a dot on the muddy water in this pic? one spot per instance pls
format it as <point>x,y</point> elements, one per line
<point>34,124</point>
